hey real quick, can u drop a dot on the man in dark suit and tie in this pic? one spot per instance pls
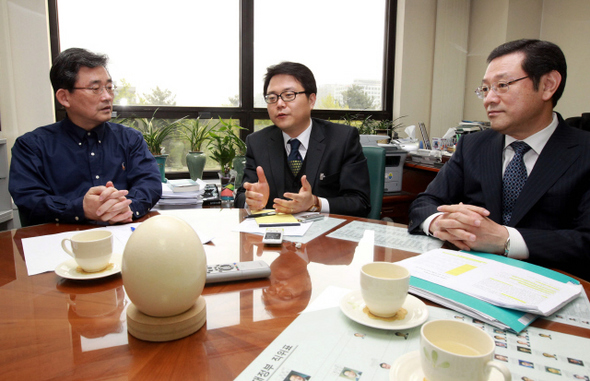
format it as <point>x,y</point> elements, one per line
<point>302,163</point>
<point>521,188</point>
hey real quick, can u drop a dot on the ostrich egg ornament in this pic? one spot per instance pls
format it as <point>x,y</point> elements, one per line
<point>164,269</point>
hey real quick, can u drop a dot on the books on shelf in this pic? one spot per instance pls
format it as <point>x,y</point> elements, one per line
<point>500,291</point>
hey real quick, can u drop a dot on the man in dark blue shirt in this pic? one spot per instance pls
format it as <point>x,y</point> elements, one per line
<point>83,168</point>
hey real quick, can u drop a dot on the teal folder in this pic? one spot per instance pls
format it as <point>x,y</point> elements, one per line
<point>504,318</point>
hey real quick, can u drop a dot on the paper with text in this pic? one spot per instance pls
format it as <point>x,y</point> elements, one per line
<point>494,282</point>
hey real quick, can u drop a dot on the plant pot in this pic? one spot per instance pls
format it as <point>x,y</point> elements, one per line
<point>195,161</point>
<point>239,163</point>
<point>161,160</point>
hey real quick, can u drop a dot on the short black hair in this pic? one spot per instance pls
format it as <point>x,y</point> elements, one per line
<point>297,70</point>
<point>64,72</point>
<point>541,57</point>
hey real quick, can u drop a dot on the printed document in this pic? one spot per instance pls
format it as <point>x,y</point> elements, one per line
<point>494,282</point>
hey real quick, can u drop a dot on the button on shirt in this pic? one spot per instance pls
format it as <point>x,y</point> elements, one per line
<point>53,167</point>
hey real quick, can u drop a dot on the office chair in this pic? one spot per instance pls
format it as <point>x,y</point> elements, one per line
<point>376,163</point>
<point>24,220</point>
<point>581,122</point>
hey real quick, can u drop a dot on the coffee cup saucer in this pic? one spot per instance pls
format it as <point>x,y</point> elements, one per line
<point>352,305</point>
<point>70,269</point>
<point>408,368</point>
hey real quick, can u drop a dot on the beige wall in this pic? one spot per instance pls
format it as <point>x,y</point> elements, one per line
<point>490,23</point>
<point>26,97</point>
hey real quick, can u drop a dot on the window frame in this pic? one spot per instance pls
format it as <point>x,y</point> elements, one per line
<point>246,112</point>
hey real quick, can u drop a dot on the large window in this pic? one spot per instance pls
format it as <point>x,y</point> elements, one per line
<point>340,41</point>
<point>207,59</point>
<point>176,53</point>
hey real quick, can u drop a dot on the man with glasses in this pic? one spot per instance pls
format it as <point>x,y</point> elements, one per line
<point>83,168</point>
<point>521,188</point>
<point>302,163</point>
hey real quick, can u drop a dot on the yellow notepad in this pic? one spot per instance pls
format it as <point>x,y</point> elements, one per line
<point>277,220</point>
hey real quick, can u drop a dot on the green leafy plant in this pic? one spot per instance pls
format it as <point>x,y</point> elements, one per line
<point>154,131</point>
<point>369,126</point>
<point>196,131</point>
<point>224,144</point>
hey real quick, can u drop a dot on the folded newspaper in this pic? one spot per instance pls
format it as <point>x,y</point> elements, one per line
<point>492,281</point>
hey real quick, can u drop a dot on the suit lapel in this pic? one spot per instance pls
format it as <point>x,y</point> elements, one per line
<point>276,159</point>
<point>315,152</point>
<point>560,152</point>
<point>491,164</point>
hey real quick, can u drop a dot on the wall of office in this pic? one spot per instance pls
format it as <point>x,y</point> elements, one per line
<point>440,57</point>
<point>26,97</point>
<point>443,45</point>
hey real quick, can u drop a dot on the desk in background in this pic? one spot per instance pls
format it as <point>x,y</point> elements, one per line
<point>53,328</point>
<point>416,178</point>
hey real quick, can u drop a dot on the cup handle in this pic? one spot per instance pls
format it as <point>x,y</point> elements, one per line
<point>64,246</point>
<point>502,368</point>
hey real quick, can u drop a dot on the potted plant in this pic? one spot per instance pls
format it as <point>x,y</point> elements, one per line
<point>195,132</point>
<point>224,145</point>
<point>370,126</point>
<point>155,132</point>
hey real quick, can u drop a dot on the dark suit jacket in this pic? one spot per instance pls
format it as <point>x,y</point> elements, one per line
<point>335,166</point>
<point>552,212</point>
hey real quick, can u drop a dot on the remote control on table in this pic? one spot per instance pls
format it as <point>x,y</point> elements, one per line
<point>237,271</point>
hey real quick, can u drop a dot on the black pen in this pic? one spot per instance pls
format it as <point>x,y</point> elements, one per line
<point>260,215</point>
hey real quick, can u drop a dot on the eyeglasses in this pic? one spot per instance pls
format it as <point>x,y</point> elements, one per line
<point>110,88</point>
<point>499,88</point>
<point>286,96</point>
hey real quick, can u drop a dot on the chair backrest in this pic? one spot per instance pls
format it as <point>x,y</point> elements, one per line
<point>581,122</point>
<point>376,163</point>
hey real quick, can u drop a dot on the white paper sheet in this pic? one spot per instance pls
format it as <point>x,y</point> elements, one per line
<point>45,253</point>
<point>492,281</point>
<point>387,236</point>
<point>322,343</point>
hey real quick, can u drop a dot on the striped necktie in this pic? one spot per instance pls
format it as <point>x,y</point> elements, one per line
<point>514,179</point>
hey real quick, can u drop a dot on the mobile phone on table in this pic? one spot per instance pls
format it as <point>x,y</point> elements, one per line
<point>310,217</point>
<point>273,236</point>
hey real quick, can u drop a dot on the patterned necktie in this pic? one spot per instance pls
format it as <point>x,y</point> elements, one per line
<point>294,158</point>
<point>515,176</point>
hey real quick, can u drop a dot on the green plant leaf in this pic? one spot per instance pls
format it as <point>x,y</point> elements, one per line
<point>445,365</point>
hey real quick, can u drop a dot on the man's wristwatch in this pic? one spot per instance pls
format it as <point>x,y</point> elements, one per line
<point>507,247</point>
<point>316,205</point>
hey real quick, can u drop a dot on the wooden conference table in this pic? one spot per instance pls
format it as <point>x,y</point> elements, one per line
<point>54,328</point>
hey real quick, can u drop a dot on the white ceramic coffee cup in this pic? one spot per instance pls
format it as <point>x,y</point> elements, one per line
<point>384,287</point>
<point>91,249</point>
<point>452,350</point>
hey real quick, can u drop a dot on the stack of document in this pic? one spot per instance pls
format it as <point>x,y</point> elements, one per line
<point>500,291</point>
<point>182,192</point>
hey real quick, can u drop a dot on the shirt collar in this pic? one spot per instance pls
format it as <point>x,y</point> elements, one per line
<point>79,133</point>
<point>537,141</point>
<point>303,138</point>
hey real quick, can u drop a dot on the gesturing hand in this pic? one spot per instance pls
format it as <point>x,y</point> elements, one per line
<point>257,193</point>
<point>298,202</point>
